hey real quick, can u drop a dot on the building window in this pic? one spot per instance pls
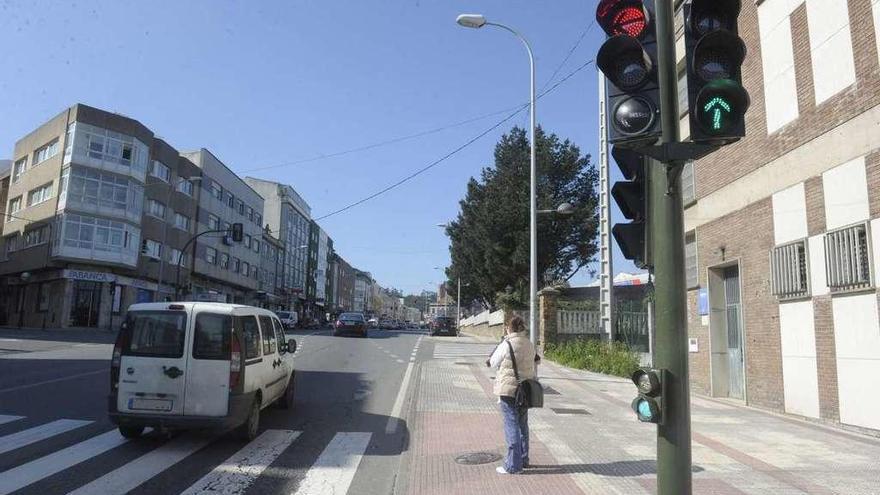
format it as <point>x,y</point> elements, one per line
<point>254,271</point>
<point>211,255</point>
<point>14,207</point>
<point>216,191</point>
<point>160,171</point>
<point>95,143</point>
<point>181,221</point>
<point>42,298</point>
<point>848,258</point>
<point>152,249</point>
<point>175,257</point>
<point>236,265</point>
<point>692,275</point>
<point>256,246</point>
<point>37,236</point>
<point>258,219</point>
<point>224,260</point>
<point>688,184</point>
<point>186,187</point>
<point>84,232</point>
<point>788,271</point>
<point>156,208</point>
<point>39,194</point>
<point>245,268</point>
<point>213,222</point>
<point>250,213</point>
<point>240,208</point>
<point>18,169</point>
<point>103,190</point>
<point>230,200</point>
<point>12,244</point>
<point>248,241</point>
<point>44,153</point>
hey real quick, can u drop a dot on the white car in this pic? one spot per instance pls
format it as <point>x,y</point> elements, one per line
<point>288,319</point>
<point>189,365</point>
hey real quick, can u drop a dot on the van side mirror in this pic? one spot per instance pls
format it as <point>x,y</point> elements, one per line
<point>291,346</point>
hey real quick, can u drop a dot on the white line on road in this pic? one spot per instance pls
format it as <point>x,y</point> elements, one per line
<point>8,419</point>
<point>394,417</point>
<point>54,380</point>
<point>335,468</point>
<point>26,474</point>
<point>239,471</point>
<point>135,473</point>
<point>38,433</point>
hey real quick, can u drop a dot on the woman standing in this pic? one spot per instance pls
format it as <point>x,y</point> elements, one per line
<point>516,420</point>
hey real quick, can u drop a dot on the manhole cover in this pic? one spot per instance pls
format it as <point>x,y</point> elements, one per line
<point>478,458</point>
<point>561,410</point>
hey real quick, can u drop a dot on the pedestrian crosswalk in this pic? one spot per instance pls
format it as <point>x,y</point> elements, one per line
<point>456,350</point>
<point>52,453</point>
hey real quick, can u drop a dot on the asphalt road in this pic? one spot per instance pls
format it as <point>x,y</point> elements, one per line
<point>343,435</point>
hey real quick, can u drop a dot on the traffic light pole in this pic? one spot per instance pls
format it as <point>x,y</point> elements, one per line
<point>667,242</point>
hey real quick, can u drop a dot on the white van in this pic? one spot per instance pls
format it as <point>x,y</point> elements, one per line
<point>198,365</point>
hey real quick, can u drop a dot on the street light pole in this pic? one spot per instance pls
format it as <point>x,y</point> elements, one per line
<point>478,21</point>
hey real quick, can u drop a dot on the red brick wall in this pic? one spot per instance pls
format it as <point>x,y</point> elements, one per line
<point>815,203</point>
<point>699,361</point>
<point>826,358</point>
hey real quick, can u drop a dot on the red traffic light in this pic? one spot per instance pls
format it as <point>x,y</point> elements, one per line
<point>627,17</point>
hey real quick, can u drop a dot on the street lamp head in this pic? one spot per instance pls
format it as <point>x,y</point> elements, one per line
<point>565,209</point>
<point>471,20</point>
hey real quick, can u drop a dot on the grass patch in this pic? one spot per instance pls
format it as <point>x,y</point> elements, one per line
<point>614,358</point>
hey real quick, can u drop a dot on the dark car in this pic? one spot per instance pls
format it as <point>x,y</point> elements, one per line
<point>443,325</point>
<point>351,323</point>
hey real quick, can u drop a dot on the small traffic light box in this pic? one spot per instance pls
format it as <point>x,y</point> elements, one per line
<point>648,405</point>
<point>717,101</point>
<point>631,197</point>
<point>628,58</point>
<point>237,232</point>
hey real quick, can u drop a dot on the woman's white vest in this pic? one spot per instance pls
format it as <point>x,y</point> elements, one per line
<point>505,380</point>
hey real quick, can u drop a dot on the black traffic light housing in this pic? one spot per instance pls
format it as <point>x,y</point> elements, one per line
<point>648,404</point>
<point>717,101</point>
<point>632,197</point>
<point>628,60</point>
<point>237,232</point>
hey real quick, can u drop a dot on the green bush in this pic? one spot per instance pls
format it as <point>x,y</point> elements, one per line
<point>614,358</point>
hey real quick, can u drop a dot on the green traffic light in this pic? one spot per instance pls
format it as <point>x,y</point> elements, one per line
<point>645,410</point>
<point>720,105</point>
<point>716,106</point>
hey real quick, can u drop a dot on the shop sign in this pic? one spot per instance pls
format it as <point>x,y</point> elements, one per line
<point>89,276</point>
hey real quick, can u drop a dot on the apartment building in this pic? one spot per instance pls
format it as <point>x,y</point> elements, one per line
<point>223,270</point>
<point>316,279</point>
<point>783,227</point>
<point>288,215</point>
<point>363,292</point>
<point>330,278</point>
<point>344,283</point>
<point>271,289</point>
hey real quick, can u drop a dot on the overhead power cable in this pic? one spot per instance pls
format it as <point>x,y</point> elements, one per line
<point>454,151</point>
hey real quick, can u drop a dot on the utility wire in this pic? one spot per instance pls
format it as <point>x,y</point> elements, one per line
<point>570,53</point>
<point>454,151</point>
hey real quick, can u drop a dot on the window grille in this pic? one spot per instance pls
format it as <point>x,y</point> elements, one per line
<point>848,258</point>
<point>789,273</point>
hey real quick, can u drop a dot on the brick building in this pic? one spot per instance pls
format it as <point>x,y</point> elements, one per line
<point>782,228</point>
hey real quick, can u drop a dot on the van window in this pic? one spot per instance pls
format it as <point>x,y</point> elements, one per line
<point>279,330</point>
<point>212,336</point>
<point>250,334</point>
<point>154,333</point>
<point>268,335</point>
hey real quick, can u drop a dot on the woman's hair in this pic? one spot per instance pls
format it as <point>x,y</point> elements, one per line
<point>517,324</point>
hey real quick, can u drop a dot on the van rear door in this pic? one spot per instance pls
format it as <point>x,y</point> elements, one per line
<point>153,363</point>
<point>207,378</point>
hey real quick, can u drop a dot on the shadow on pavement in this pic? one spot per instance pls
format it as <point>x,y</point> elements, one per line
<point>80,336</point>
<point>616,468</point>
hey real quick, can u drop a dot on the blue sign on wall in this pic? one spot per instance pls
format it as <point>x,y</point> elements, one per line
<point>703,302</point>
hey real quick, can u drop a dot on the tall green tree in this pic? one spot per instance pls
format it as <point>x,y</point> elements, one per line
<point>490,237</point>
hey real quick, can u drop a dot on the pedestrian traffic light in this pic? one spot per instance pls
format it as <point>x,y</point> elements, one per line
<point>717,101</point>
<point>628,60</point>
<point>631,196</point>
<point>648,405</point>
<point>237,232</point>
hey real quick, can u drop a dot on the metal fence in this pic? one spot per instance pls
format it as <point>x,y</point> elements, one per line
<point>574,322</point>
<point>632,326</point>
<point>632,329</point>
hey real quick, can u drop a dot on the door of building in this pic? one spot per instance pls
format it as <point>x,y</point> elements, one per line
<point>86,304</point>
<point>733,310</point>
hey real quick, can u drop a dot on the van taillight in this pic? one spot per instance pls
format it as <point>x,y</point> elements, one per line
<point>235,363</point>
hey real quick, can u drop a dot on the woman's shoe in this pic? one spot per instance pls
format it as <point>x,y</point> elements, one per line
<point>501,470</point>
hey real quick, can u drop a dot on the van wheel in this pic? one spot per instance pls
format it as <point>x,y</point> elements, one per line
<point>248,430</point>
<point>286,400</point>
<point>131,431</point>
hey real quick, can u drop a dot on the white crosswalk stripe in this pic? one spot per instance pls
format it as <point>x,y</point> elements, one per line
<point>135,473</point>
<point>242,469</point>
<point>9,419</point>
<point>335,468</point>
<point>31,472</point>
<point>445,350</point>
<point>38,433</point>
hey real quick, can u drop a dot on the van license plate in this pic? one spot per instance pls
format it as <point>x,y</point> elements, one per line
<point>161,405</point>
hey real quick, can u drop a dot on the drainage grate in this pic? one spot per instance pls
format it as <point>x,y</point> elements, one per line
<point>473,458</point>
<point>550,391</point>
<point>562,410</point>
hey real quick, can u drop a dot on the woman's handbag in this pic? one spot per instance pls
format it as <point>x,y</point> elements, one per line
<point>529,392</point>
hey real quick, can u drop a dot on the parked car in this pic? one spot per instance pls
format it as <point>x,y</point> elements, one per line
<point>191,365</point>
<point>373,323</point>
<point>288,318</point>
<point>443,325</point>
<point>353,323</point>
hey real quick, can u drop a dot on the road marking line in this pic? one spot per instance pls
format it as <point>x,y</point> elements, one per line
<point>335,468</point>
<point>26,474</point>
<point>239,471</point>
<point>38,433</point>
<point>394,417</point>
<point>55,380</point>
<point>140,470</point>
<point>8,419</point>
<point>400,361</point>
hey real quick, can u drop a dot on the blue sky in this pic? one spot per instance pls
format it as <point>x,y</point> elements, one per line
<point>269,83</point>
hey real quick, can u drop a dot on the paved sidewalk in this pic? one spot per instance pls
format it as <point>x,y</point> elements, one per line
<point>586,440</point>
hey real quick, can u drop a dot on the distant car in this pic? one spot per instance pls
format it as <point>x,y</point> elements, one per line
<point>373,323</point>
<point>288,319</point>
<point>443,325</point>
<point>351,323</point>
<point>412,325</point>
